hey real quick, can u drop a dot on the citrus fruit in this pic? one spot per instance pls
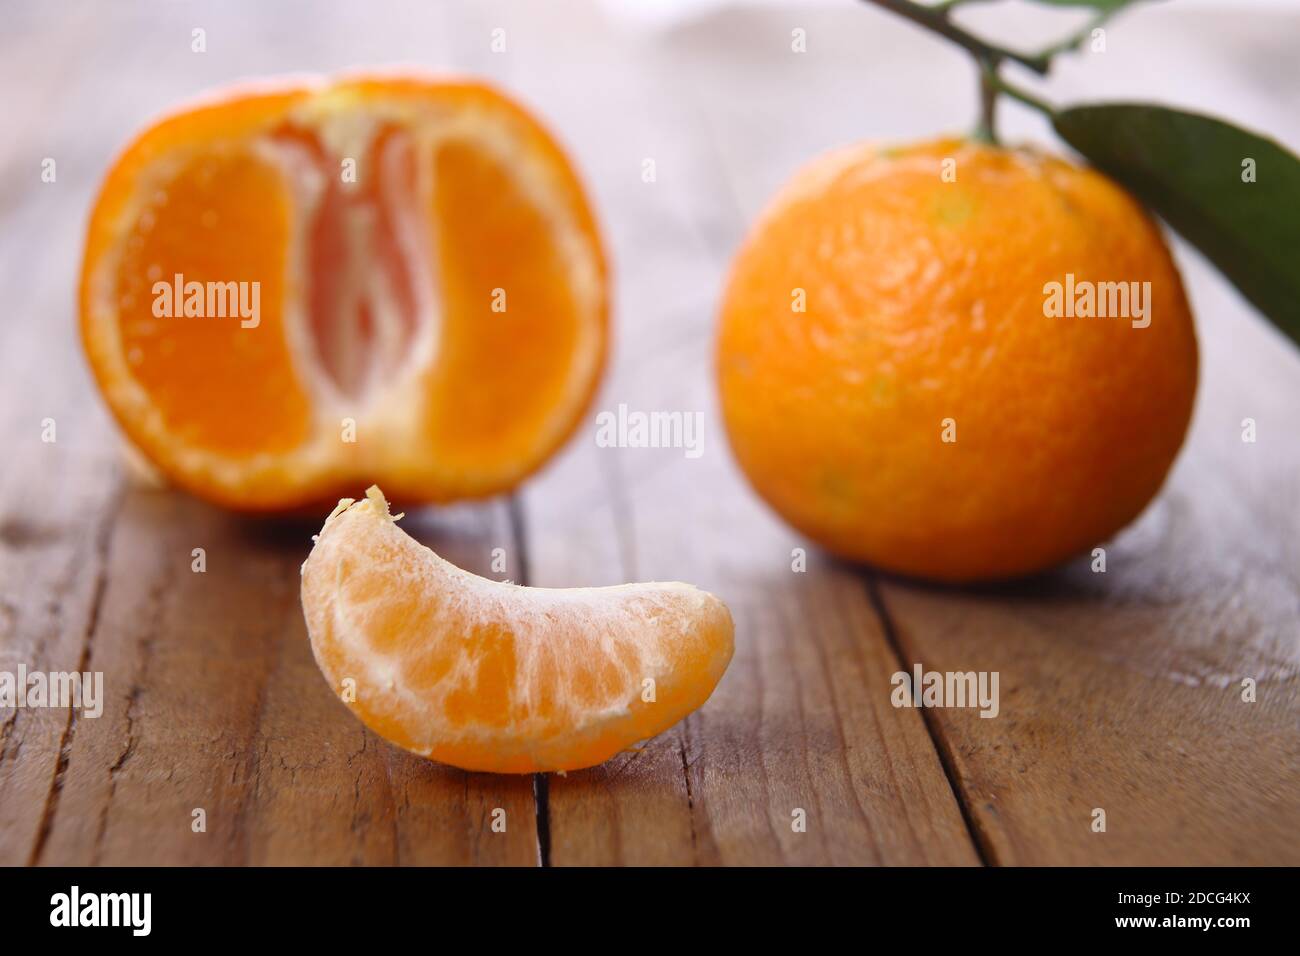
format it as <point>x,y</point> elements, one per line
<point>383,276</point>
<point>491,676</point>
<point>908,375</point>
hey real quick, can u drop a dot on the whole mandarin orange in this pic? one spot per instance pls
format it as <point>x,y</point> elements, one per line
<point>904,376</point>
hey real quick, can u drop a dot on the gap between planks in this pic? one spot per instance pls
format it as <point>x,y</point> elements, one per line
<point>541,785</point>
<point>103,538</point>
<point>983,846</point>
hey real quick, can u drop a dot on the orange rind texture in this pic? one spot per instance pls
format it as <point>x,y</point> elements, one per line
<point>922,412</point>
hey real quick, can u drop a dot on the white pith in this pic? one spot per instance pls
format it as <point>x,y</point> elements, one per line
<point>389,411</point>
<point>573,625</point>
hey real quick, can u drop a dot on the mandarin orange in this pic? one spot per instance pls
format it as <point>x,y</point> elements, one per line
<point>285,290</point>
<point>904,375</point>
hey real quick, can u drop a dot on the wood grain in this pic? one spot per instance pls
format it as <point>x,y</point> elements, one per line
<point>216,705</point>
<point>214,702</point>
<point>1124,691</point>
<point>58,500</point>
<point>1120,691</point>
<point>794,726</point>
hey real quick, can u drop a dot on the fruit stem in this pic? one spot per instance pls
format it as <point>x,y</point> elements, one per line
<point>936,19</point>
<point>986,128</point>
<point>1016,93</point>
<point>946,5</point>
<point>1073,42</point>
<point>990,57</point>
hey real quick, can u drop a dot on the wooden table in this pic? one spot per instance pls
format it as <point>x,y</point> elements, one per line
<point>1120,691</point>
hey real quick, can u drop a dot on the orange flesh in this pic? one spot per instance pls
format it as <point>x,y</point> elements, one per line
<point>490,676</point>
<point>400,622</point>
<point>497,370</point>
<point>215,383</point>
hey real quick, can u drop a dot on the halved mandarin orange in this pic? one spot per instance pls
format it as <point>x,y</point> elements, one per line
<point>376,278</point>
<point>491,676</point>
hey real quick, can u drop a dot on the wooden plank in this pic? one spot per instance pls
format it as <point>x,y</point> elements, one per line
<point>215,704</point>
<point>1123,691</point>
<point>213,700</point>
<point>57,496</point>
<point>795,725</point>
<point>56,513</point>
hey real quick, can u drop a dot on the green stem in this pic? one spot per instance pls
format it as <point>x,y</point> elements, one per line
<point>936,19</point>
<point>986,128</point>
<point>991,57</point>
<point>1072,43</point>
<point>947,5</point>
<point>1016,93</point>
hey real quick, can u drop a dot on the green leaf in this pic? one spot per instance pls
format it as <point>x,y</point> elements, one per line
<point>1192,170</point>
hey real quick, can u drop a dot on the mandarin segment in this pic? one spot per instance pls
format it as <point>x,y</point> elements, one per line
<point>222,220</point>
<point>509,338</point>
<point>491,676</point>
